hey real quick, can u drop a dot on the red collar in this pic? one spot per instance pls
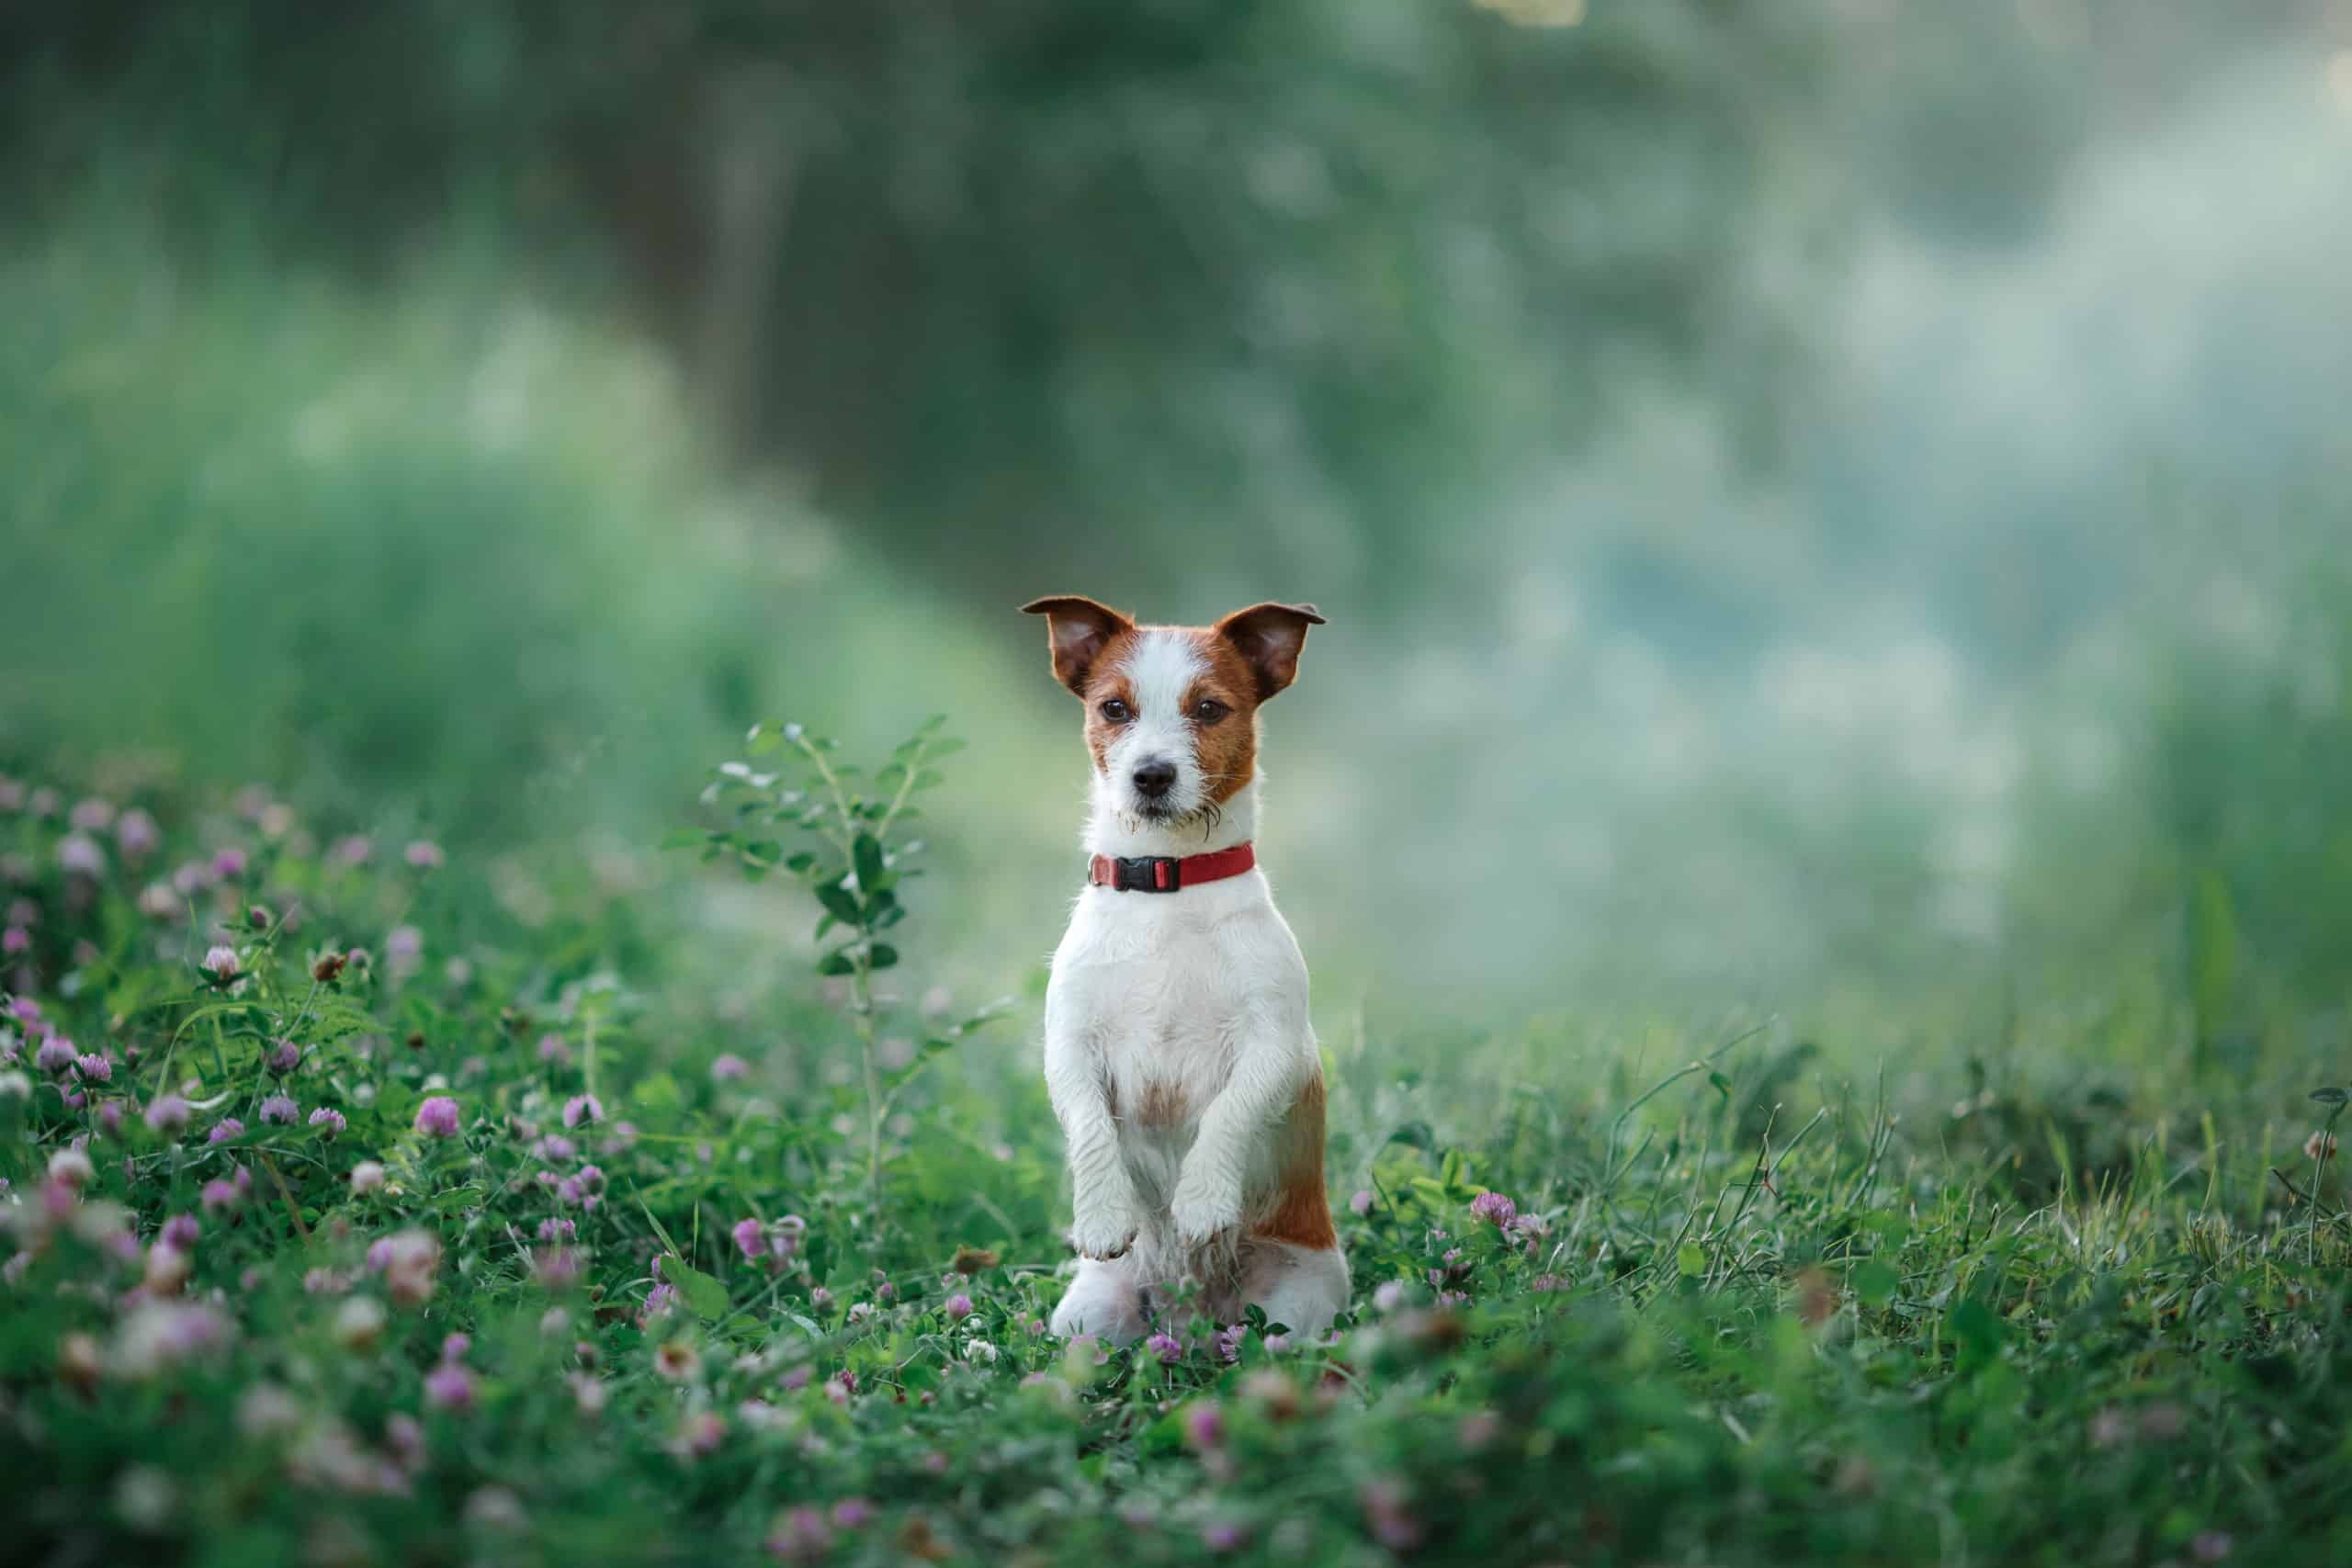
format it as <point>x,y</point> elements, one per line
<point>1166,874</point>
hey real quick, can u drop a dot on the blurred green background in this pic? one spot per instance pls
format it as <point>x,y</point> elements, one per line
<point>1814,502</point>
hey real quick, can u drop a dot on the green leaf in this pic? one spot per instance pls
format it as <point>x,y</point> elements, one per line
<point>837,962</point>
<point>839,902</point>
<point>1977,1331</point>
<point>1692,1258</point>
<point>882,956</point>
<point>865,859</point>
<point>656,1092</point>
<point>761,740</point>
<point>2330,1096</point>
<point>705,1295</point>
<point>1414,1134</point>
<point>1874,1283</point>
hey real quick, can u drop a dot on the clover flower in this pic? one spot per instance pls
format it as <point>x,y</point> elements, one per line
<point>2320,1145</point>
<point>799,1535</point>
<point>580,1109</point>
<point>553,1051</point>
<point>730,1069</point>
<point>1386,1518</point>
<point>1164,1347</point>
<point>359,1323</point>
<point>94,1066</point>
<point>329,1122</point>
<point>167,1270</point>
<point>423,855</point>
<point>219,1197</point>
<point>557,1268</point>
<point>959,1307</point>
<point>450,1387</point>
<point>136,835</point>
<point>677,1360</point>
<point>221,963</point>
<point>495,1508</point>
<point>279,1110</point>
<point>158,902</point>
<point>55,1056</point>
<point>1495,1208</point>
<point>180,1231</point>
<point>229,865</point>
<point>284,1057</point>
<point>1204,1426</point>
<point>265,1410</point>
<point>437,1117</point>
<point>72,1168</point>
<point>411,1263</point>
<point>228,1127</point>
<point>79,855</point>
<point>1223,1535</point>
<point>367,1177</point>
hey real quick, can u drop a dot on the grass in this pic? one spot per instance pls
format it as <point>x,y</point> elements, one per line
<point>718,1296</point>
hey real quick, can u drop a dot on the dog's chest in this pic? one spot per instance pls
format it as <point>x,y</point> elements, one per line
<point>1160,992</point>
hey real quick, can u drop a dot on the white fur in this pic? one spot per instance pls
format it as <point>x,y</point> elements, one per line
<point>1201,992</point>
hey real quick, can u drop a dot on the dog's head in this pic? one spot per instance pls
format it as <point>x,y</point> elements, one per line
<point>1171,711</point>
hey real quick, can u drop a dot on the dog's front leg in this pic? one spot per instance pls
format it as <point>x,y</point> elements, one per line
<point>1106,1215</point>
<point>1206,1209</point>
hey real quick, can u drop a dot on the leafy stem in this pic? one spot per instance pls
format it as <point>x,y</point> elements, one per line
<point>853,875</point>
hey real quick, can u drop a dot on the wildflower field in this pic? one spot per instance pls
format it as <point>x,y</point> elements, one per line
<point>350,1218</point>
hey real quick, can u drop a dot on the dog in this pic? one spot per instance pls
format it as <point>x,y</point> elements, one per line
<point>1179,1056</point>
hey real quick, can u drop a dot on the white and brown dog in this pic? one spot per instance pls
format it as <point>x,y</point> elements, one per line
<point>1178,1051</point>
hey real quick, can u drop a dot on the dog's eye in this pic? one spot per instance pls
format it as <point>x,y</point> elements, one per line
<point>1208,710</point>
<point>1115,711</point>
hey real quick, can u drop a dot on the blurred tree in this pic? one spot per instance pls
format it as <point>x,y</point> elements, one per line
<point>1044,287</point>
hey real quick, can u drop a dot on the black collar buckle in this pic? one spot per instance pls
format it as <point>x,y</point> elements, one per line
<point>1146,873</point>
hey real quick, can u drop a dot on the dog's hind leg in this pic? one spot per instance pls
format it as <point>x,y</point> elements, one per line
<point>1303,1287</point>
<point>1104,1298</point>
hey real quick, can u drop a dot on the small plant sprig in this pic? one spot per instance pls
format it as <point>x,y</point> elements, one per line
<point>853,872</point>
<point>2322,1144</point>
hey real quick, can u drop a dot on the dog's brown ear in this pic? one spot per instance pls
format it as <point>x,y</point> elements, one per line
<point>1269,636</point>
<point>1076,630</point>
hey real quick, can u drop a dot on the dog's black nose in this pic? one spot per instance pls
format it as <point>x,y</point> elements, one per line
<point>1155,778</point>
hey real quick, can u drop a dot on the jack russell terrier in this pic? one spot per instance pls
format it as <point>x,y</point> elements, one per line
<point>1178,1051</point>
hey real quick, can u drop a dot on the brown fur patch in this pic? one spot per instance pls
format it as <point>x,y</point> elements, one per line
<point>1108,679</point>
<point>1164,1105</point>
<point>1226,749</point>
<point>1302,1213</point>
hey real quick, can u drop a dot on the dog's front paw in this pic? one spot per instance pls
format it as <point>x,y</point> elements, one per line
<point>1206,1213</point>
<point>1103,1233</point>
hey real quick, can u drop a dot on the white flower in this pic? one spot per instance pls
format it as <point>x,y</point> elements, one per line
<point>359,1323</point>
